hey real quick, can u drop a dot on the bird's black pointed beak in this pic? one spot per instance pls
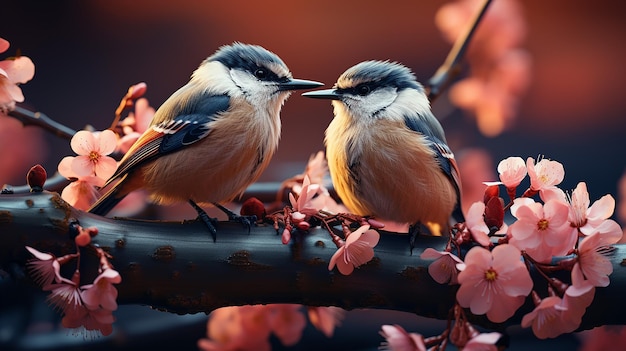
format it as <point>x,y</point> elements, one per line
<point>296,84</point>
<point>328,94</point>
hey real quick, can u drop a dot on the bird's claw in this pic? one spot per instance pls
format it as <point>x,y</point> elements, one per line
<point>414,232</point>
<point>208,221</point>
<point>246,221</point>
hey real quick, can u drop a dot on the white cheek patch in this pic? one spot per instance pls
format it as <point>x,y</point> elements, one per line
<point>372,103</point>
<point>245,81</point>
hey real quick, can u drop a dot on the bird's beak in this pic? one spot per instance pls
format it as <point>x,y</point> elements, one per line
<point>329,94</point>
<point>295,84</point>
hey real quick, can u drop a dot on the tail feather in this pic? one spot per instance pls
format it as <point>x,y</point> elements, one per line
<point>109,200</point>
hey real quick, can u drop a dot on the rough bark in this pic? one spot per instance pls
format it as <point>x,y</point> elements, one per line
<point>176,266</point>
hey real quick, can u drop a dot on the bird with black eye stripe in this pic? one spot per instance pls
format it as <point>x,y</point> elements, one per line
<point>211,138</point>
<point>387,153</point>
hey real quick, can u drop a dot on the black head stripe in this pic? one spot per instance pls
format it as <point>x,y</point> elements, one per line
<point>249,58</point>
<point>377,74</point>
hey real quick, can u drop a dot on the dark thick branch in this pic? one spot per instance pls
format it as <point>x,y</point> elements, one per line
<point>178,268</point>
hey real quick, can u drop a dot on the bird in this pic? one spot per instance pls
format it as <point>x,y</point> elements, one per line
<point>211,138</point>
<point>387,153</point>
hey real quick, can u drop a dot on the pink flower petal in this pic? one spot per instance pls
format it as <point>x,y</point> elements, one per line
<point>65,167</point>
<point>601,209</point>
<point>610,232</point>
<point>371,237</point>
<point>83,142</point>
<point>21,70</point>
<point>39,255</point>
<point>504,307</point>
<point>107,141</point>
<point>82,166</point>
<point>105,167</point>
<point>4,45</point>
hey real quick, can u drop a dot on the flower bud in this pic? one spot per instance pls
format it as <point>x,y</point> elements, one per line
<point>36,178</point>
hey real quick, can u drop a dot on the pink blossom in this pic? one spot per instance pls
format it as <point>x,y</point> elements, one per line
<point>102,293</point>
<point>512,171</point>
<point>81,193</point>
<point>286,322</point>
<point>44,268</point>
<point>303,204</point>
<point>476,223</point>
<point>13,71</point>
<point>483,342</point>
<point>224,329</point>
<point>592,251</point>
<point>65,295</point>
<point>444,269</point>
<point>544,177</point>
<point>584,217</point>
<point>547,319</point>
<point>541,229</point>
<point>576,302</point>
<point>357,250</point>
<point>397,339</point>
<point>92,150</point>
<point>238,328</point>
<point>495,283</point>
<point>135,124</point>
<point>325,319</point>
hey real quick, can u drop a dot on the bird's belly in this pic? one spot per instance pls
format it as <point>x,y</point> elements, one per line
<point>393,180</point>
<point>208,176</point>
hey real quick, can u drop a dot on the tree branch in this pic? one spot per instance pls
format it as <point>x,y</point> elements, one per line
<point>28,117</point>
<point>176,266</point>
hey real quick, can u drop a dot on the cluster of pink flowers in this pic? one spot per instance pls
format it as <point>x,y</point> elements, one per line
<point>93,166</point>
<point>13,71</point>
<point>560,231</point>
<point>90,169</point>
<point>249,327</point>
<point>88,307</point>
<point>499,66</point>
<point>398,339</point>
<point>308,199</point>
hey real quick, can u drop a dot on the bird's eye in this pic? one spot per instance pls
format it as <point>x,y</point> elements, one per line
<point>363,89</point>
<point>260,73</point>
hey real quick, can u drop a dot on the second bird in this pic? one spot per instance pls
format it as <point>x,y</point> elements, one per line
<point>387,153</point>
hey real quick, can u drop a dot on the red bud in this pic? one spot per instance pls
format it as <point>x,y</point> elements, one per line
<point>36,178</point>
<point>253,207</point>
<point>494,212</point>
<point>491,191</point>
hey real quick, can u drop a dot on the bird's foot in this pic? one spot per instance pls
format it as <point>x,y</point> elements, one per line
<point>414,231</point>
<point>204,217</point>
<point>247,221</point>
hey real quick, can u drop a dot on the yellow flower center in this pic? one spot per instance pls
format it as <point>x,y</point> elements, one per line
<point>491,275</point>
<point>543,224</point>
<point>94,156</point>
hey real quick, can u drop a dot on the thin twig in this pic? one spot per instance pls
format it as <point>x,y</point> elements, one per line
<point>28,117</point>
<point>451,67</point>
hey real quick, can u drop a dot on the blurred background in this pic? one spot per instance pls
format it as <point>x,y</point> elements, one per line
<point>87,54</point>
